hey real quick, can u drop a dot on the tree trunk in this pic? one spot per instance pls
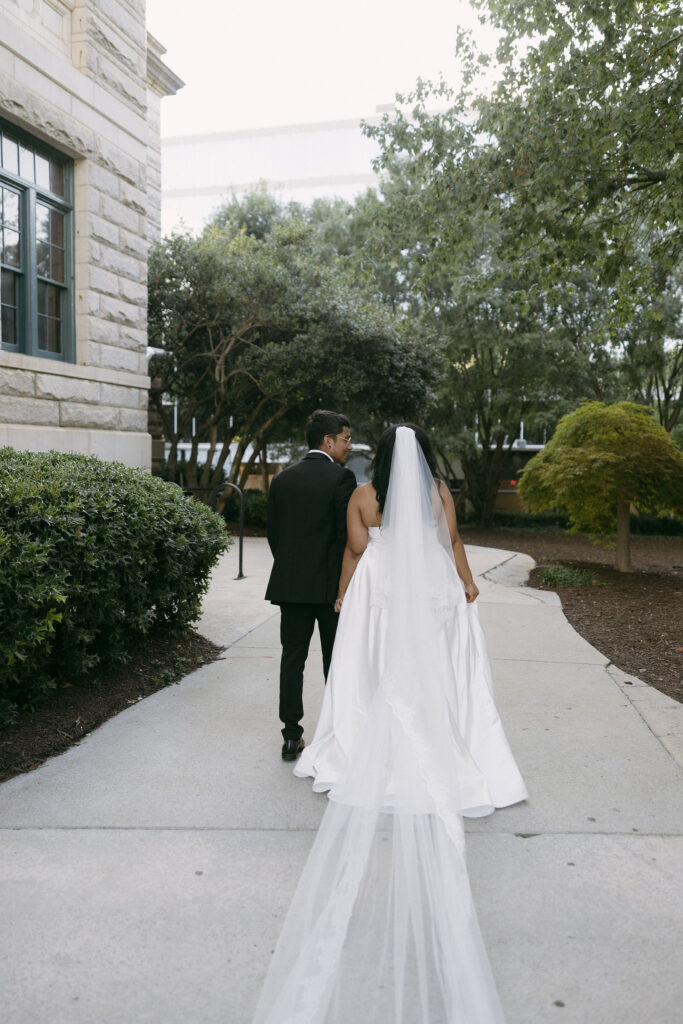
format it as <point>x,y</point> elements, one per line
<point>623,557</point>
<point>264,467</point>
<point>488,508</point>
<point>482,482</point>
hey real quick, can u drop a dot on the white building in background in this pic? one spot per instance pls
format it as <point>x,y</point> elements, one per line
<point>299,162</point>
<point>81,83</point>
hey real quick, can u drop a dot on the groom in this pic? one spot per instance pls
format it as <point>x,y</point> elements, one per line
<point>307,535</point>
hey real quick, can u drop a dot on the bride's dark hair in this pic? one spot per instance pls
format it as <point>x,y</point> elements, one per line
<point>381,464</point>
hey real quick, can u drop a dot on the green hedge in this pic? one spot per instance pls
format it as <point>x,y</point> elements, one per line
<point>665,526</point>
<point>255,505</point>
<point>552,521</point>
<point>92,556</point>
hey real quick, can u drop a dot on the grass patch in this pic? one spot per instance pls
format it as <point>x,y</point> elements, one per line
<point>565,576</point>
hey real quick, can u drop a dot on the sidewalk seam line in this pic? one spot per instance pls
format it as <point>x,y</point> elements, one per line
<point>313,830</point>
<point>634,705</point>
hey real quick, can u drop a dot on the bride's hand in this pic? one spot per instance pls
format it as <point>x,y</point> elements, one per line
<point>471,592</point>
<point>338,603</point>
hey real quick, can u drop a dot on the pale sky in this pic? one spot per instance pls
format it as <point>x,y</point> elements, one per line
<point>274,63</point>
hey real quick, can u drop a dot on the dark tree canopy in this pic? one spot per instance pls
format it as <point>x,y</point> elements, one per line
<point>256,331</point>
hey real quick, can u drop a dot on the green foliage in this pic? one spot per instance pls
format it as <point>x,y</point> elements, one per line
<point>551,522</point>
<point>92,556</point>
<point>599,455</point>
<point>258,322</point>
<point>650,358</point>
<point>255,506</point>
<point>567,576</point>
<point>586,128</point>
<point>511,348</point>
<point>658,526</point>
<point>536,227</point>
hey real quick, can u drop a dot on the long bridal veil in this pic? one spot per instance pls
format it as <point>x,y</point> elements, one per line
<point>382,929</point>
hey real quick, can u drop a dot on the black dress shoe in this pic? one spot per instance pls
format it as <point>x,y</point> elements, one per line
<point>292,748</point>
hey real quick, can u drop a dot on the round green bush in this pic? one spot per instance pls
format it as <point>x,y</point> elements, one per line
<point>92,556</point>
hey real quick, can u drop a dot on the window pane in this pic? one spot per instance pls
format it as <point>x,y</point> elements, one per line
<point>57,228</point>
<point>26,169</point>
<point>9,326</point>
<point>49,334</point>
<point>57,264</point>
<point>42,171</point>
<point>8,292</point>
<point>10,209</point>
<point>54,336</point>
<point>42,333</point>
<point>42,297</point>
<point>56,178</point>
<point>43,259</point>
<point>10,248</point>
<point>54,301</point>
<point>10,156</point>
<point>42,223</point>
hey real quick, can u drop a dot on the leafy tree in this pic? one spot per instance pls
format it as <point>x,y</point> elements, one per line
<point>600,460</point>
<point>585,128</point>
<point>254,332</point>
<point>513,348</point>
<point>533,227</point>
<point>256,214</point>
<point>651,351</point>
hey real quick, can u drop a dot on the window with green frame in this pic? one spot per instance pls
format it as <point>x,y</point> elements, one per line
<point>36,248</point>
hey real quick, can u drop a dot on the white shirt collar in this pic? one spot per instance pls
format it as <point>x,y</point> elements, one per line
<point>319,451</point>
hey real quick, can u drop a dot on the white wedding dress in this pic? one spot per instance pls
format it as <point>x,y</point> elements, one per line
<point>382,929</point>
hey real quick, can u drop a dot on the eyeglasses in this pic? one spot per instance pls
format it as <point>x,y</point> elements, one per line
<point>346,440</point>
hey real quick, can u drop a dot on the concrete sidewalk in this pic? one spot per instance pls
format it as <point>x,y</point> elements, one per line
<point>144,873</point>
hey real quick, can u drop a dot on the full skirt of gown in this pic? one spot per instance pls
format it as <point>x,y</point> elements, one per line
<point>483,773</point>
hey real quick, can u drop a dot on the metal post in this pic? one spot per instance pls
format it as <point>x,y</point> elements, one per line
<point>240,574</point>
<point>214,498</point>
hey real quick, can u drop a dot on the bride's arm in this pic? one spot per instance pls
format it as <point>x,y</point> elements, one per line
<point>356,543</point>
<point>461,563</point>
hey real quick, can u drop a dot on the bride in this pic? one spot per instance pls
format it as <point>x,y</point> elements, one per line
<point>382,929</point>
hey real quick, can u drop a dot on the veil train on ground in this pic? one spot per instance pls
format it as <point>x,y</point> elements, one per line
<point>382,928</point>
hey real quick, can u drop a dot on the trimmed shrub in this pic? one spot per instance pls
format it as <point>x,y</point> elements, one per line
<point>661,526</point>
<point>92,556</point>
<point>255,506</point>
<point>554,521</point>
<point>528,521</point>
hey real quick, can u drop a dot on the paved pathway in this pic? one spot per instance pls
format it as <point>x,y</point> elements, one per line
<point>144,873</point>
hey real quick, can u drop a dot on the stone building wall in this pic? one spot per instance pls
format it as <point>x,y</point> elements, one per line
<point>86,78</point>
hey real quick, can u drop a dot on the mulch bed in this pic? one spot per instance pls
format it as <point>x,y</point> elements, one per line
<point>634,619</point>
<point>72,711</point>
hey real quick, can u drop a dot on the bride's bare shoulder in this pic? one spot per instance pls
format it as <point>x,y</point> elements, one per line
<point>365,499</point>
<point>362,496</point>
<point>444,493</point>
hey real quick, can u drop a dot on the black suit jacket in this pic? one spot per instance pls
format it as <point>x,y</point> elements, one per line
<point>307,530</point>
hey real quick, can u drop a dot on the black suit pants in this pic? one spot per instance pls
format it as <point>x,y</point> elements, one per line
<point>296,629</point>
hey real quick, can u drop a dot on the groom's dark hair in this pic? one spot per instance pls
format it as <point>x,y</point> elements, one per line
<point>322,422</point>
